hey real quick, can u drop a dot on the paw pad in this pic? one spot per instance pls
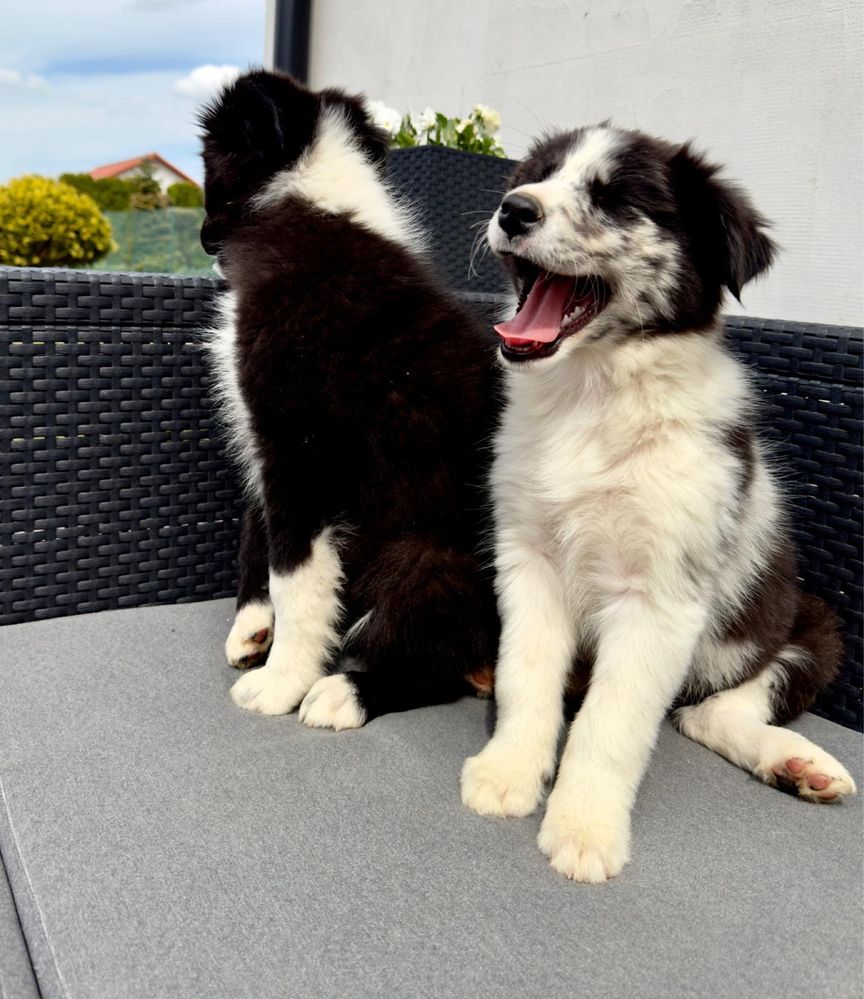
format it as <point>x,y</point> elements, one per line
<point>815,780</point>
<point>251,636</point>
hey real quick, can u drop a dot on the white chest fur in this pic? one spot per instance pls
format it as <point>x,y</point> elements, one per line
<point>613,466</point>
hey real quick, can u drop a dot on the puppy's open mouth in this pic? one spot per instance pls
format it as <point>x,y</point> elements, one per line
<point>552,307</point>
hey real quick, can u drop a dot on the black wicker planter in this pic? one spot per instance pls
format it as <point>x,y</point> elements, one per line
<point>456,193</point>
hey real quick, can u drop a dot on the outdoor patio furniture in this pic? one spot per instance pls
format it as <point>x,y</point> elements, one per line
<point>157,841</point>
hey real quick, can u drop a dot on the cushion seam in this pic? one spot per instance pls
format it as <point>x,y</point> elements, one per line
<point>16,846</point>
<point>4,993</point>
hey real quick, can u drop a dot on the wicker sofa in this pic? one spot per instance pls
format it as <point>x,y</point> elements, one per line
<point>157,842</point>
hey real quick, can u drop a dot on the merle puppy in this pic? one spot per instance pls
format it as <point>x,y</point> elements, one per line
<point>642,542</point>
<point>359,398</point>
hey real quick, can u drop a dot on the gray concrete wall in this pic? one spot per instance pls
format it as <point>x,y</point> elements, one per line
<point>773,89</point>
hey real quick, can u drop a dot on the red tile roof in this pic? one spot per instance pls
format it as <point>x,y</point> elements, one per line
<point>113,169</point>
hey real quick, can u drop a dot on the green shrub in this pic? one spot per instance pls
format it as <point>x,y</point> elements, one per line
<point>185,195</point>
<point>116,194</point>
<point>111,194</point>
<point>148,201</point>
<point>147,195</point>
<point>46,223</point>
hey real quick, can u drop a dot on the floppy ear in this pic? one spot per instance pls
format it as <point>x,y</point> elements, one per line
<point>241,134</point>
<point>749,250</point>
<point>244,121</point>
<point>724,225</point>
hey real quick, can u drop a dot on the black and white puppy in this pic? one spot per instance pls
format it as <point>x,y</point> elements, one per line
<point>359,398</point>
<point>640,532</point>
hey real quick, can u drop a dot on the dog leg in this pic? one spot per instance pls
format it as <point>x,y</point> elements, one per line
<point>643,651</point>
<point>537,648</point>
<point>307,608</point>
<point>735,724</point>
<point>432,615</point>
<point>252,632</point>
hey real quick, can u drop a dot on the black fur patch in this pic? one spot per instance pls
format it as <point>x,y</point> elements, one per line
<point>778,617</point>
<point>769,611</point>
<point>254,583</point>
<point>544,157</point>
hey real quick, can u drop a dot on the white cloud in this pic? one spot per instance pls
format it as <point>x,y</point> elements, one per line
<point>15,78</point>
<point>111,71</point>
<point>80,123</point>
<point>205,81</point>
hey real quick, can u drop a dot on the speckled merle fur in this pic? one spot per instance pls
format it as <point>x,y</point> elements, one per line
<point>722,244</point>
<point>720,235</point>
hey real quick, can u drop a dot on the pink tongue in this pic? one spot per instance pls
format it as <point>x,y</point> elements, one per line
<point>540,317</point>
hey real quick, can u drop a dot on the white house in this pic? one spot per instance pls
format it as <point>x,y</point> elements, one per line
<point>163,172</point>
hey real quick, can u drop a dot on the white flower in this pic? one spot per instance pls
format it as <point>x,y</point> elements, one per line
<point>426,120</point>
<point>462,124</point>
<point>490,119</point>
<point>423,125</point>
<point>384,117</point>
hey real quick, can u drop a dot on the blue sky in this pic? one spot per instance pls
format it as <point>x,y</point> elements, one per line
<point>84,83</point>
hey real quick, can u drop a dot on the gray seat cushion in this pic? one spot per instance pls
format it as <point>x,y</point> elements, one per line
<point>161,842</point>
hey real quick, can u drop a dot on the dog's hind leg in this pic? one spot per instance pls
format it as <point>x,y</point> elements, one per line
<point>349,699</point>
<point>736,724</point>
<point>433,622</point>
<point>251,634</point>
<point>741,724</point>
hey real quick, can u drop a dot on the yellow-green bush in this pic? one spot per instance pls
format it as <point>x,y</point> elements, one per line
<point>185,195</point>
<point>45,223</point>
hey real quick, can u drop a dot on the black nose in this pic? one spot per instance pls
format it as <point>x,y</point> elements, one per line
<point>518,213</point>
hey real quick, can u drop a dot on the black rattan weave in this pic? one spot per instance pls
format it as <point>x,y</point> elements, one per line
<point>114,491</point>
<point>811,380</point>
<point>455,194</point>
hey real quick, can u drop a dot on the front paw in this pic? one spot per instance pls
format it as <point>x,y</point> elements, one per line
<point>590,846</point>
<point>498,782</point>
<point>251,636</point>
<point>268,691</point>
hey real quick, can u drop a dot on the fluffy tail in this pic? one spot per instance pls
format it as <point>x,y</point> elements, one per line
<point>810,660</point>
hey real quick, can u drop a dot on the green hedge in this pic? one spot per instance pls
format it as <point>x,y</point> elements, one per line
<point>185,195</point>
<point>164,241</point>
